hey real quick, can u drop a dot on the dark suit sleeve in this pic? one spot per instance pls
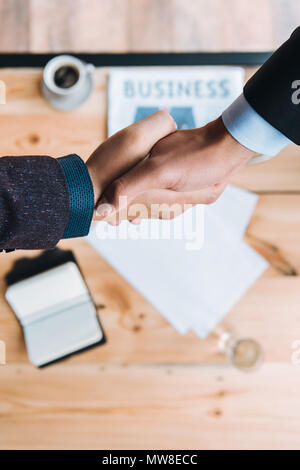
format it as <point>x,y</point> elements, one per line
<point>270,90</point>
<point>42,200</point>
<point>34,202</point>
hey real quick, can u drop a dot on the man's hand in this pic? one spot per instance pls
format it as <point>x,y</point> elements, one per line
<point>186,167</point>
<point>126,148</point>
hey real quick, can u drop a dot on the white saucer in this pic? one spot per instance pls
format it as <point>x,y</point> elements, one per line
<point>69,102</point>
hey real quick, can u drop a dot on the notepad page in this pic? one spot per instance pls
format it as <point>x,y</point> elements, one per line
<point>59,335</point>
<point>43,291</point>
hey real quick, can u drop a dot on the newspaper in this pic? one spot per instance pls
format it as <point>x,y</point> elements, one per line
<point>192,95</point>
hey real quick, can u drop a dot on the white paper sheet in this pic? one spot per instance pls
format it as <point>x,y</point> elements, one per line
<point>234,209</point>
<point>229,269</point>
<point>191,288</point>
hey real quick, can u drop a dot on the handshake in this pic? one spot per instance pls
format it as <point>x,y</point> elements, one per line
<point>151,170</point>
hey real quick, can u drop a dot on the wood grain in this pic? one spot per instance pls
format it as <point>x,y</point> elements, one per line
<point>217,25</point>
<point>79,25</point>
<point>145,25</point>
<point>150,25</point>
<point>286,17</point>
<point>155,407</point>
<point>14,25</point>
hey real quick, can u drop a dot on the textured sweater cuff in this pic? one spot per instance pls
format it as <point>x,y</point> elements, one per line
<point>81,196</point>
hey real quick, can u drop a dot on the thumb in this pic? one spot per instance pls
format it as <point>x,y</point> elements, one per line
<point>146,175</point>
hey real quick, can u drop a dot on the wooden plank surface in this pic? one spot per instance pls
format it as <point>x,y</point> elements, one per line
<point>14,25</point>
<point>149,386</point>
<point>145,25</point>
<point>155,407</point>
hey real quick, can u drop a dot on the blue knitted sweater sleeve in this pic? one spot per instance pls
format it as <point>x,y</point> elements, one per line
<point>81,196</point>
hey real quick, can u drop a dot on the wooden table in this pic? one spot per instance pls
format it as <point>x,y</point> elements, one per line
<point>149,387</point>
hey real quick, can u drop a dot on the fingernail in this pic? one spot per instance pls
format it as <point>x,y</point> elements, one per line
<point>104,209</point>
<point>136,221</point>
<point>175,123</point>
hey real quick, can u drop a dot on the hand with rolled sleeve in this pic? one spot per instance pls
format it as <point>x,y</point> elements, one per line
<point>43,199</point>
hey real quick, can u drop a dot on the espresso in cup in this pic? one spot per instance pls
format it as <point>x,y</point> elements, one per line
<point>67,82</point>
<point>66,76</point>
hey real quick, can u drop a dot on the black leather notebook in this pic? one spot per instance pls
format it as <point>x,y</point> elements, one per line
<point>53,304</point>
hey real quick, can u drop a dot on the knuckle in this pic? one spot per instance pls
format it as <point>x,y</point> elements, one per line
<point>161,147</point>
<point>167,118</point>
<point>174,215</point>
<point>210,199</point>
<point>131,137</point>
<point>165,175</point>
<point>213,194</point>
<point>153,167</point>
<point>162,176</point>
<point>117,188</point>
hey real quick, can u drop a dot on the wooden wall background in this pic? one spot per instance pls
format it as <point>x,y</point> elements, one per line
<point>149,387</point>
<point>145,25</point>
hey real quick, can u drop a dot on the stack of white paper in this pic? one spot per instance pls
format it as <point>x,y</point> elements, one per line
<point>192,287</point>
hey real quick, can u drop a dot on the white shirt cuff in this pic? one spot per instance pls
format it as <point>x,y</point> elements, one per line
<point>251,130</point>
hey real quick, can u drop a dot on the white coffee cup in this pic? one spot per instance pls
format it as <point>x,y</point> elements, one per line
<point>67,82</point>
